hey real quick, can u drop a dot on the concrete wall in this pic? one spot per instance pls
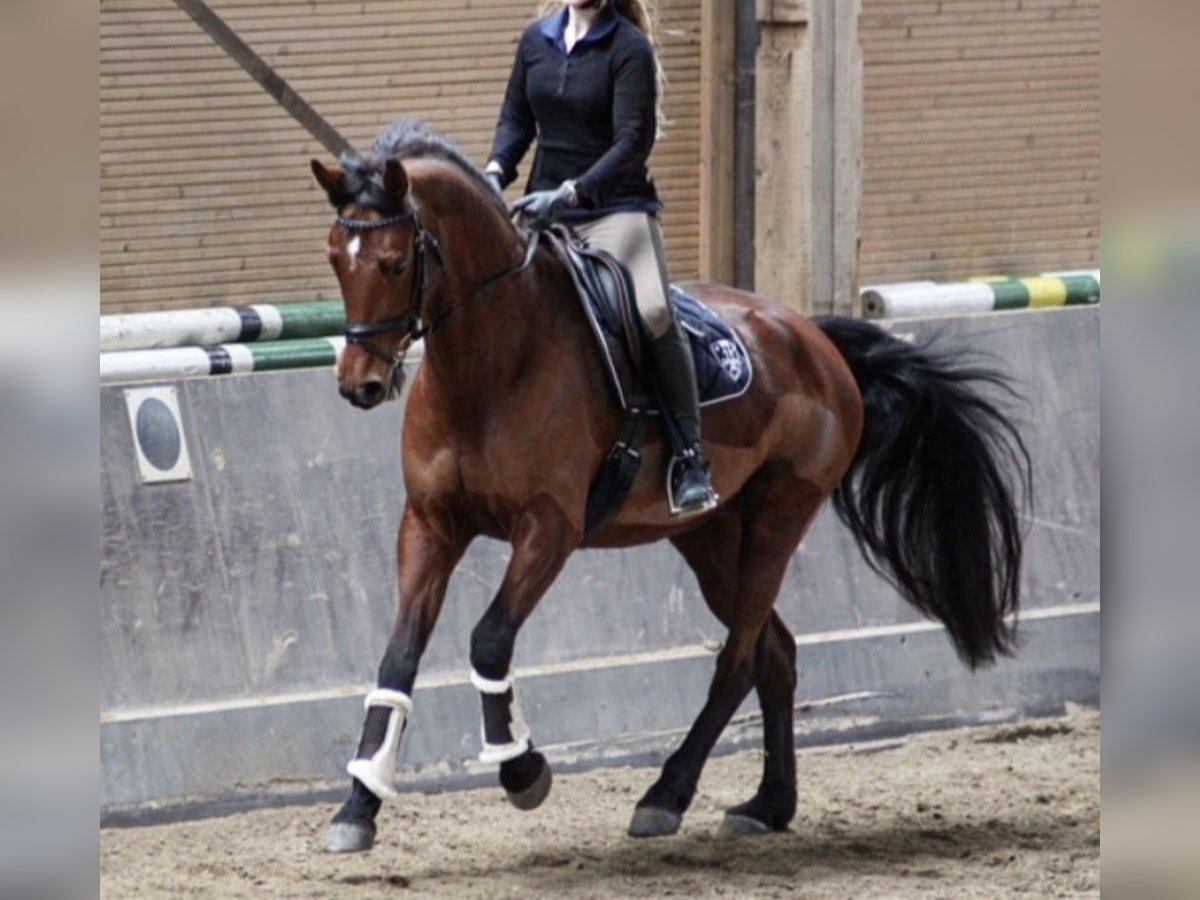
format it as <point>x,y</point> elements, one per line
<point>244,612</point>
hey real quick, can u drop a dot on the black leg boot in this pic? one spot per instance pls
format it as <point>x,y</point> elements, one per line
<point>689,489</point>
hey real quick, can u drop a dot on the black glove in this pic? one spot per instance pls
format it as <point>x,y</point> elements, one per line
<point>541,208</point>
<point>496,180</point>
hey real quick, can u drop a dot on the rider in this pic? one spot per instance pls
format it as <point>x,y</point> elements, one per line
<point>586,83</point>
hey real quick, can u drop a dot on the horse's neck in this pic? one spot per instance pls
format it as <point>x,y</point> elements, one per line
<point>472,230</point>
<point>485,335</point>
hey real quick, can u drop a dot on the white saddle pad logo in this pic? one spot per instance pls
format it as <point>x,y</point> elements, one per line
<point>727,355</point>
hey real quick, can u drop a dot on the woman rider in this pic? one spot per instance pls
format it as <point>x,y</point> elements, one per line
<point>585,84</point>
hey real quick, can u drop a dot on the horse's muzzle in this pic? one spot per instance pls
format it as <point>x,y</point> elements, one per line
<point>367,395</point>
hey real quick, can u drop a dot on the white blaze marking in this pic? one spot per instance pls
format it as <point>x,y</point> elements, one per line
<point>354,246</point>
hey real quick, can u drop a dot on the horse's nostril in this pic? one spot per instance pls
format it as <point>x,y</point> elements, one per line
<point>371,393</point>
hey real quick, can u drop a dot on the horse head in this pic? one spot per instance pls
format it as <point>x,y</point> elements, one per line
<point>377,248</point>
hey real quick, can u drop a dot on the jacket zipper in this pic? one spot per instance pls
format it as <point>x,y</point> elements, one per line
<point>562,84</point>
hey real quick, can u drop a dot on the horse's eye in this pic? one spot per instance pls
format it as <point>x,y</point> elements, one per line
<point>394,266</point>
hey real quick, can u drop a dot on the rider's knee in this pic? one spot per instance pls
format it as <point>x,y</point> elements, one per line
<point>657,319</point>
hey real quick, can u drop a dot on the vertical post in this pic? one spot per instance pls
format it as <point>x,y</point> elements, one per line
<point>847,161</point>
<point>783,188</point>
<point>717,129</point>
<point>807,137</point>
<point>745,63</point>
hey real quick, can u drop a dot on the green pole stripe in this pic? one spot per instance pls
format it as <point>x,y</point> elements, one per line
<point>1081,289</point>
<point>314,318</point>
<point>1010,294</point>
<point>293,354</point>
<point>1013,294</point>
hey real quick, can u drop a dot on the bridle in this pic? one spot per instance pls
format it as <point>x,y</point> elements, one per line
<point>409,326</point>
<point>412,327</point>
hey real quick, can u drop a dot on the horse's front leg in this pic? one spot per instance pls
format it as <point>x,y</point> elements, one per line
<point>427,549</point>
<point>542,541</point>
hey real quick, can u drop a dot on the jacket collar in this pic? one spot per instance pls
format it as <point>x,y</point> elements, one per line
<point>553,27</point>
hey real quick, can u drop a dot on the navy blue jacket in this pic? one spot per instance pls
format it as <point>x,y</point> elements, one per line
<point>592,111</point>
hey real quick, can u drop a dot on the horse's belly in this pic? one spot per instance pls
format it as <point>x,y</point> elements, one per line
<point>801,434</point>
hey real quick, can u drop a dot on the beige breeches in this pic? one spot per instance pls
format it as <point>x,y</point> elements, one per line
<point>635,239</point>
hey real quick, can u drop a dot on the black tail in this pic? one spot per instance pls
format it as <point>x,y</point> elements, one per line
<point>932,495</point>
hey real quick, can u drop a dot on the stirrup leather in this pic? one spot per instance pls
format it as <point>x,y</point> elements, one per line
<point>688,457</point>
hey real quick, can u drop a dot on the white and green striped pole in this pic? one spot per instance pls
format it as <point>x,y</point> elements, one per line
<point>926,298</point>
<point>173,363</point>
<point>221,325</point>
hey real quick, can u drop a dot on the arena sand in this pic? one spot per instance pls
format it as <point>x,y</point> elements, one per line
<point>987,812</point>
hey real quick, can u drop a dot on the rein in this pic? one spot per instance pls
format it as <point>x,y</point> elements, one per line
<point>531,246</point>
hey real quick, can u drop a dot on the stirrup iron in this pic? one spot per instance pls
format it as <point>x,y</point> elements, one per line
<point>710,499</point>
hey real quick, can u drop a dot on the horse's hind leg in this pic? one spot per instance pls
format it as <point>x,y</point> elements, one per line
<point>542,541</point>
<point>774,804</point>
<point>740,559</point>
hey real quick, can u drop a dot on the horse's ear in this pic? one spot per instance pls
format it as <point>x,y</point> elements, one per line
<point>395,179</point>
<point>333,181</point>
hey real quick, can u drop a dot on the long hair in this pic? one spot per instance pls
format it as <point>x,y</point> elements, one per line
<point>644,17</point>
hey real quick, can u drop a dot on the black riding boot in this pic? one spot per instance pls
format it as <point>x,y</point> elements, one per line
<point>689,489</point>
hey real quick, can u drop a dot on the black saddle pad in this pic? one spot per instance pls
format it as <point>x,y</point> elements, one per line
<point>723,367</point>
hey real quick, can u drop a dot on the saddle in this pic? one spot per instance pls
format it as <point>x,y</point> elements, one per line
<point>606,293</point>
<point>604,286</point>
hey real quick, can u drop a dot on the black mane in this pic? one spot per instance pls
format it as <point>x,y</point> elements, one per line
<point>405,138</point>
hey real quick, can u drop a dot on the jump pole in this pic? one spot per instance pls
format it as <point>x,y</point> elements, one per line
<point>221,325</point>
<point>926,298</point>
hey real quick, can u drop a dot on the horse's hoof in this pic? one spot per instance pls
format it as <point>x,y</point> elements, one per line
<point>652,821</point>
<point>532,796</point>
<point>349,837</point>
<point>735,826</point>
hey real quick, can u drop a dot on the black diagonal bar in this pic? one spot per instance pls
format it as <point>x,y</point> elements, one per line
<point>270,81</point>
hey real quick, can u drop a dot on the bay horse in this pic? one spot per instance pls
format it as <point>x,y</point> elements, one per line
<point>510,417</point>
